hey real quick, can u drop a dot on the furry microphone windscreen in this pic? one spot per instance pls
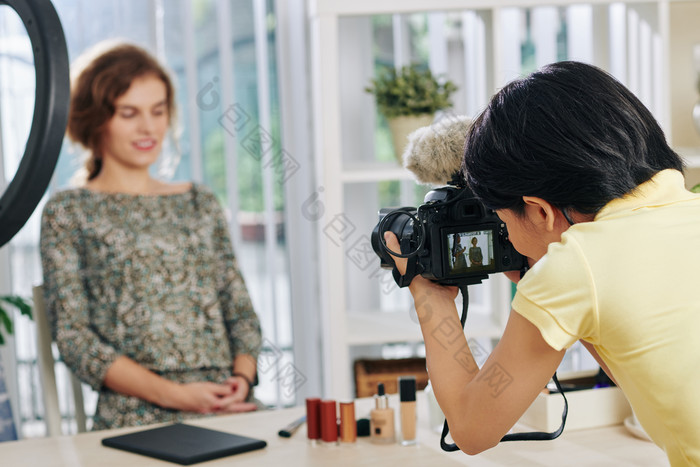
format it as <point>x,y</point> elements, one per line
<point>434,153</point>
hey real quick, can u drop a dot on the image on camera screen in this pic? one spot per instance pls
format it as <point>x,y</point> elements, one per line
<point>470,251</point>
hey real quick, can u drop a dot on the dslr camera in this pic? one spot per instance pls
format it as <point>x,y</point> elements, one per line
<point>451,238</point>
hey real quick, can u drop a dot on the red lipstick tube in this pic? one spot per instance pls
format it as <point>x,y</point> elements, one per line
<point>329,421</point>
<point>313,418</point>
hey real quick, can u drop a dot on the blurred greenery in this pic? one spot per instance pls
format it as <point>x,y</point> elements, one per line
<point>390,194</point>
<point>5,321</point>
<point>250,161</point>
<point>696,188</point>
<point>384,147</point>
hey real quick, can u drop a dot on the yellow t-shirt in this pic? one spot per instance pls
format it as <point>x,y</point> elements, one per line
<point>629,283</point>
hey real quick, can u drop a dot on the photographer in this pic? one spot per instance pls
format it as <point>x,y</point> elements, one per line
<point>581,174</point>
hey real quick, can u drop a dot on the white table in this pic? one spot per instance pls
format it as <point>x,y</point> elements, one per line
<point>600,447</point>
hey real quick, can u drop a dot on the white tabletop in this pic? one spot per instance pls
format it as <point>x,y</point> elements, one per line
<point>592,447</point>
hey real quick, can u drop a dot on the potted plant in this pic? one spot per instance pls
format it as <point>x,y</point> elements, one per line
<point>409,98</point>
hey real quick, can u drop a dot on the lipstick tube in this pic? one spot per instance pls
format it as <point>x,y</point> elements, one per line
<point>329,422</point>
<point>313,418</point>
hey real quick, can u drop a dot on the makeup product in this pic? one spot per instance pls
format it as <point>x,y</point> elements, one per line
<point>329,422</point>
<point>290,429</point>
<point>381,419</point>
<point>348,426</point>
<point>362,427</point>
<point>407,398</point>
<point>313,418</point>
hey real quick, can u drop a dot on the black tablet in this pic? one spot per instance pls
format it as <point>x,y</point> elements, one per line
<point>184,444</point>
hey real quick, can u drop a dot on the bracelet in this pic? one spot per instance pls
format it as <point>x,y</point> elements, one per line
<point>247,380</point>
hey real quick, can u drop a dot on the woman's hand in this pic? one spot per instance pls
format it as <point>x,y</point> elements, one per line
<point>236,402</point>
<point>208,397</point>
<point>239,386</point>
<point>238,407</point>
<point>204,397</point>
<point>421,288</point>
<point>125,376</point>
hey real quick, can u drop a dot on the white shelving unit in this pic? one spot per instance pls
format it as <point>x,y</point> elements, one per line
<point>374,172</point>
<point>651,53</point>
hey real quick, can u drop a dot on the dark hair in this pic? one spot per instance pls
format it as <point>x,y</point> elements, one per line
<point>570,134</point>
<point>104,78</point>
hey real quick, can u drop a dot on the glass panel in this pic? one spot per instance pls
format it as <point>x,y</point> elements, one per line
<point>157,25</point>
<point>17,89</point>
<point>177,152</point>
<point>17,95</point>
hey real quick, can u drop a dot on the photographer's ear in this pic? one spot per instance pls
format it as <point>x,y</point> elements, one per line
<point>540,212</point>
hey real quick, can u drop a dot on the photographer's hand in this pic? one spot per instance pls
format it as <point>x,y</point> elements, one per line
<point>420,286</point>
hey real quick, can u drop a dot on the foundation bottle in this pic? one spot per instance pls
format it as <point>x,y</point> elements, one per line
<point>381,419</point>
<point>407,404</point>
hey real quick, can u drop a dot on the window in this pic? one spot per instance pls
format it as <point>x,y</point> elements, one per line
<point>221,57</point>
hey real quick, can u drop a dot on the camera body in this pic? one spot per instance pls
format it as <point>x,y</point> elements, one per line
<point>451,238</point>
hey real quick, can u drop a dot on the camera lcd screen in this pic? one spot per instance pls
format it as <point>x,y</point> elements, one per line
<point>469,251</point>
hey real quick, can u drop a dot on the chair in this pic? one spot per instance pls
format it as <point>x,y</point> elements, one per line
<point>47,374</point>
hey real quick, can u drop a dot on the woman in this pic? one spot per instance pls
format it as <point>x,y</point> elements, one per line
<point>459,261</point>
<point>581,174</point>
<point>145,297</point>
<point>476,257</point>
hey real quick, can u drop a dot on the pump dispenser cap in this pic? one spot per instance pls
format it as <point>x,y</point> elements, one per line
<point>380,399</point>
<point>407,388</point>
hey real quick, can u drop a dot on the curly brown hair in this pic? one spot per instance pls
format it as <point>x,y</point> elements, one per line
<point>106,75</point>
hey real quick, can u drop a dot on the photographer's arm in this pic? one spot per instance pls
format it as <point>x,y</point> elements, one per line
<point>480,405</point>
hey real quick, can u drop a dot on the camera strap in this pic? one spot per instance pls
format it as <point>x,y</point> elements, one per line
<point>411,268</point>
<point>528,436</point>
<point>405,280</point>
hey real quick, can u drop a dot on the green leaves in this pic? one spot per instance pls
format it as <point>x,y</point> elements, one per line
<point>5,321</point>
<point>413,90</point>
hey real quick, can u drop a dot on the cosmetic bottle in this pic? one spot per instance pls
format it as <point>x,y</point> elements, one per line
<point>381,419</point>
<point>348,425</point>
<point>407,405</point>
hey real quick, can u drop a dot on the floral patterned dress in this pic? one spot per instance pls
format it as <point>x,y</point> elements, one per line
<point>153,278</point>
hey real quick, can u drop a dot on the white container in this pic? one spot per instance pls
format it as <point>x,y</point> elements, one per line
<point>588,408</point>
